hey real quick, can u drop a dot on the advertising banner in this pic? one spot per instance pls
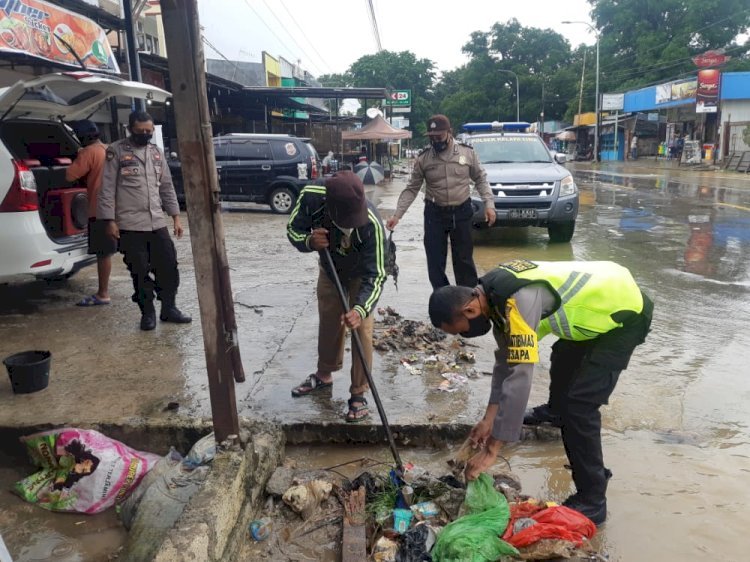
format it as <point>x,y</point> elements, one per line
<point>664,93</point>
<point>45,31</point>
<point>684,90</point>
<point>613,102</point>
<point>707,94</point>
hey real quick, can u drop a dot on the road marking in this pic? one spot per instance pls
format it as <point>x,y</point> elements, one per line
<point>740,207</point>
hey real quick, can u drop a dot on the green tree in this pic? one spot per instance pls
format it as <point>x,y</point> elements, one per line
<point>333,81</point>
<point>398,71</point>
<point>649,41</point>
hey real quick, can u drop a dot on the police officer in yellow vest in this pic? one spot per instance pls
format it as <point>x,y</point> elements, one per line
<point>599,314</point>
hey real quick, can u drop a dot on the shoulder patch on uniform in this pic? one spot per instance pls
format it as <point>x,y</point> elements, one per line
<point>466,145</point>
<point>425,149</point>
<point>519,266</point>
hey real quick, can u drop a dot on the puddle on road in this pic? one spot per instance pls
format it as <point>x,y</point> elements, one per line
<point>33,534</point>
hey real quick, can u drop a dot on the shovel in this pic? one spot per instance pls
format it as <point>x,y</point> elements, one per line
<point>358,347</point>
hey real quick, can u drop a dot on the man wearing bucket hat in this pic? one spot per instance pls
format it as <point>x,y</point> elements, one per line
<point>447,167</point>
<point>337,216</point>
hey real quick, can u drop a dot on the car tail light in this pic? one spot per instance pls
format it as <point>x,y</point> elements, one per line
<point>22,194</point>
<point>314,168</point>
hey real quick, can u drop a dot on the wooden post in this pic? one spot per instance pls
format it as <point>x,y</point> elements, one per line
<point>188,80</point>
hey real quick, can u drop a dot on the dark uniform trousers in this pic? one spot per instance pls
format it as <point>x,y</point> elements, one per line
<point>151,252</point>
<point>440,224</point>
<point>582,377</point>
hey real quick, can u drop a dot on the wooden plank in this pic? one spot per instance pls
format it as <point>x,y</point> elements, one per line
<point>354,543</point>
<point>188,84</point>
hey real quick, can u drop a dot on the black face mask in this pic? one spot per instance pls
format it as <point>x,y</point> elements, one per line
<point>439,146</point>
<point>141,139</point>
<point>478,327</point>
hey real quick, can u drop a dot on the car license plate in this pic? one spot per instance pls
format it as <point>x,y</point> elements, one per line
<point>522,213</point>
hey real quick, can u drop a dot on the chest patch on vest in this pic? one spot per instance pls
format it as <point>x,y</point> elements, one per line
<point>519,266</point>
<point>522,339</point>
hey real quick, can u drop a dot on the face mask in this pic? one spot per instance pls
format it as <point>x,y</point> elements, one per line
<point>141,139</point>
<point>477,327</point>
<point>439,146</point>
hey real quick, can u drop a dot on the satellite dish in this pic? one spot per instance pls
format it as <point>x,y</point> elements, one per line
<point>373,112</point>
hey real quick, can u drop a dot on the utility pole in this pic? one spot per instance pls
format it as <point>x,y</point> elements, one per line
<point>580,95</point>
<point>134,63</point>
<point>188,81</point>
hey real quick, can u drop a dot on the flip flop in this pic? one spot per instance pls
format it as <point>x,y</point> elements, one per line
<point>310,385</point>
<point>91,300</point>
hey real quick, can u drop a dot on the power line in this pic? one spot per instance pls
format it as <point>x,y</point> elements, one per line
<point>281,23</point>
<point>247,3</point>
<point>374,22</point>
<point>304,34</point>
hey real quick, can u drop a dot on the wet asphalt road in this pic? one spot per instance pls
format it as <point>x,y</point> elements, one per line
<point>677,431</point>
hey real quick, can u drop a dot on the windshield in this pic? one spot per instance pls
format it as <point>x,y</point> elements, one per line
<point>510,149</point>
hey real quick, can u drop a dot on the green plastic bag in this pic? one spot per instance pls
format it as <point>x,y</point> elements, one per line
<point>476,537</point>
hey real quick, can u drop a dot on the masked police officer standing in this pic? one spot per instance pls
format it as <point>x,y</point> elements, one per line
<point>448,167</point>
<point>136,186</point>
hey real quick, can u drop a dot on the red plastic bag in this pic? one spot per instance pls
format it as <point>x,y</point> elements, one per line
<point>557,522</point>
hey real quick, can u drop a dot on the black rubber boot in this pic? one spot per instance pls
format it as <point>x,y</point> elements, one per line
<point>148,317</point>
<point>542,414</point>
<point>173,314</point>
<point>596,510</point>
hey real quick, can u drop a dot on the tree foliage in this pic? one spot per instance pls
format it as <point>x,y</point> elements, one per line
<point>642,42</point>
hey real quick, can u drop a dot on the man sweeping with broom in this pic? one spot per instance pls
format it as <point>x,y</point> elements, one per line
<point>337,217</point>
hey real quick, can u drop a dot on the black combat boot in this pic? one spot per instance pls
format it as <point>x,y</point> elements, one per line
<point>148,316</point>
<point>592,505</point>
<point>170,313</point>
<point>542,414</point>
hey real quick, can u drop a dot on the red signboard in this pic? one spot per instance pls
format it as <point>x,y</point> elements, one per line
<point>45,31</point>
<point>707,93</point>
<point>710,58</point>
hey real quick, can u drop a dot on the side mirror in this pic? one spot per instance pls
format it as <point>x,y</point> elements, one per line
<point>173,155</point>
<point>560,158</point>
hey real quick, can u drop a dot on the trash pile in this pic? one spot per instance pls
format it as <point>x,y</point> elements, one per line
<point>415,516</point>
<point>423,349</point>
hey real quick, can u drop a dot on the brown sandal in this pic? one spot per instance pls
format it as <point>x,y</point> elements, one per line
<point>310,385</point>
<point>357,413</point>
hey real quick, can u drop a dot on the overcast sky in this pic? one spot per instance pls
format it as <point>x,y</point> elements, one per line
<point>329,35</point>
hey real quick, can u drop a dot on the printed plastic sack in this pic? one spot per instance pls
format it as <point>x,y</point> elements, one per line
<point>558,522</point>
<point>475,537</point>
<point>81,470</point>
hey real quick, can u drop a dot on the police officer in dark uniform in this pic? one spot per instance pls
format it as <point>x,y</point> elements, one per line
<point>447,167</point>
<point>136,191</point>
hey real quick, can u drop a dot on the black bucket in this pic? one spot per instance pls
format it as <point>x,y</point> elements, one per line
<point>28,370</point>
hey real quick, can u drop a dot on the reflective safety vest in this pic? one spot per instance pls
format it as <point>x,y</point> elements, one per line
<point>587,294</point>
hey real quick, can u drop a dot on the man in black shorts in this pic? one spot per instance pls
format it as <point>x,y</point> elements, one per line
<point>89,167</point>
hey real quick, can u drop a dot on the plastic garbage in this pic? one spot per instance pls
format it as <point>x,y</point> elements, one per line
<point>401,520</point>
<point>475,536</point>
<point>385,550</point>
<point>416,544</point>
<point>425,510</point>
<point>306,498</point>
<point>4,554</point>
<point>158,502</point>
<point>260,529</point>
<point>557,522</point>
<point>81,470</point>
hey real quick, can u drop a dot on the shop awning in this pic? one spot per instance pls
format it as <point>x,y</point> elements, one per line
<point>377,129</point>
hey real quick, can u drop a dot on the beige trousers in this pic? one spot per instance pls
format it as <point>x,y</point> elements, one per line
<point>331,333</point>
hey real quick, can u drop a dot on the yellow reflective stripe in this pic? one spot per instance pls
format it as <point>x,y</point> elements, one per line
<point>379,260</point>
<point>362,312</point>
<point>293,234</point>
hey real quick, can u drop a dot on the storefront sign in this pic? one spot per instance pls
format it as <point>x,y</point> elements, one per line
<point>711,58</point>
<point>613,102</point>
<point>45,31</point>
<point>399,98</point>
<point>684,90</point>
<point>707,94</point>
<point>664,93</point>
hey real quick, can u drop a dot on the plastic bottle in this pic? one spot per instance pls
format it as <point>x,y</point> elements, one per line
<point>260,529</point>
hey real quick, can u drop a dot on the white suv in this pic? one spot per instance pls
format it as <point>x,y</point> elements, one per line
<point>43,218</point>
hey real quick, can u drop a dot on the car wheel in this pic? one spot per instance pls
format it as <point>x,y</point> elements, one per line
<point>282,200</point>
<point>561,231</point>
